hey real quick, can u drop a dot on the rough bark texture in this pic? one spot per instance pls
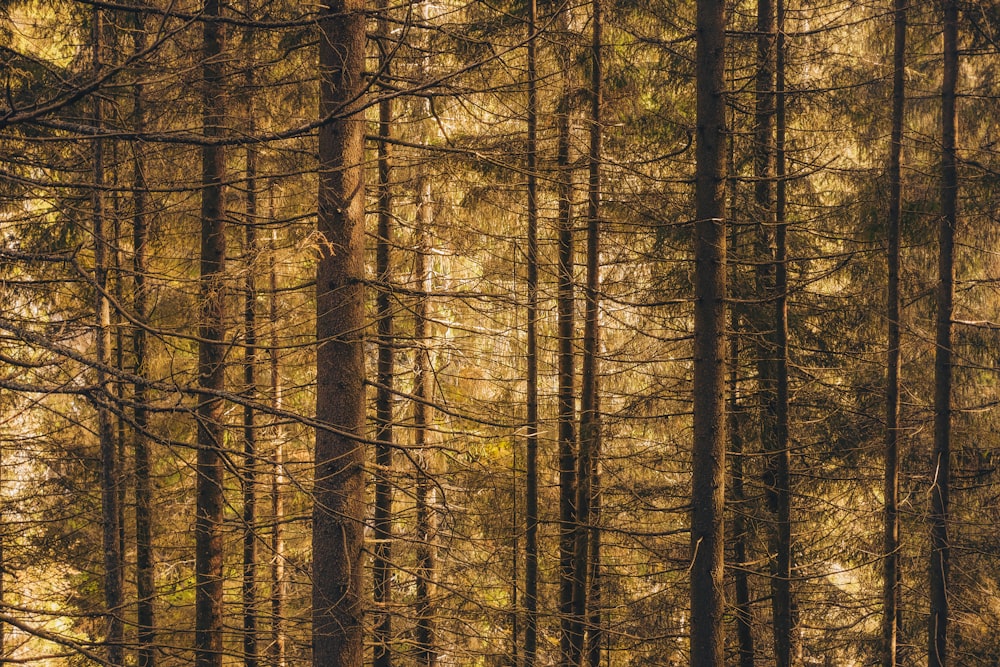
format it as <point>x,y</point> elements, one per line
<point>382,525</point>
<point>941,474</point>
<point>211,355</point>
<point>771,333</point>
<point>741,510</point>
<point>891,576</point>
<point>588,548</point>
<point>276,651</point>
<point>531,454</point>
<point>145,581</point>
<point>110,476</point>
<point>567,378</point>
<point>743,607</point>
<point>783,604</point>
<point>423,392</point>
<point>708,460</point>
<point>250,463</point>
<point>338,510</point>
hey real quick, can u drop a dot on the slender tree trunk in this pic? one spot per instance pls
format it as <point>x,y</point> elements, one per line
<point>531,464</point>
<point>708,470</point>
<point>743,606</point>
<point>941,475</point>
<point>250,462</point>
<point>116,277</point>
<point>891,575</point>
<point>110,477</point>
<point>743,609</point>
<point>784,610</point>
<point>771,333</point>
<point>211,355</point>
<point>382,568</point>
<point>277,646</point>
<point>338,509</point>
<point>566,315</point>
<point>145,581</point>
<point>422,391</point>
<point>567,372</point>
<point>587,542</point>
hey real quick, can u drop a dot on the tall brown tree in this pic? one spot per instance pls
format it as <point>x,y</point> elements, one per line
<point>144,565</point>
<point>427,650</point>
<point>588,554</point>
<point>709,447</point>
<point>941,473</point>
<point>531,453</point>
<point>338,497</point>
<point>891,575</point>
<point>567,362</point>
<point>277,647</point>
<point>780,463</point>
<point>110,464</point>
<point>251,250</point>
<point>211,350</point>
<point>382,524</point>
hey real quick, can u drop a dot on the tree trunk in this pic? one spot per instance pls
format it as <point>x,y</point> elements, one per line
<point>708,461</point>
<point>110,477</point>
<point>339,504</point>
<point>941,474</point>
<point>211,354</point>
<point>422,391</point>
<point>782,580</point>
<point>145,581</point>
<point>277,647</point>
<point>531,464</point>
<point>250,463</point>
<point>587,542</point>
<point>382,567</point>
<point>891,575</point>
<point>743,611</point>
<point>567,369</point>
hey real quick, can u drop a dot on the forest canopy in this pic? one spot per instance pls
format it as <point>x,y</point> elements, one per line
<point>499,334</point>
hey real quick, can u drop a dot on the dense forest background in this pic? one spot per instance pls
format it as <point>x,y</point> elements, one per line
<point>508,333</point>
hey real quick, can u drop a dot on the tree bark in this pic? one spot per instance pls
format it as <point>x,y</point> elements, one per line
<point>743,612</point>
<point>531,454</point>
<point>708,460</point>
<point>211,354</point>
<point>941,474</point>
<point>891,575</point>
<point>784,610</point>
<point>567,378</point>
<point>338,509</point>
<point>422,391</point>
<point>110,475</point>
<point>588,549</point>
<point>145,576</point>
<point>277,647</point>
<point>382,567</point>
<point>250,456</point>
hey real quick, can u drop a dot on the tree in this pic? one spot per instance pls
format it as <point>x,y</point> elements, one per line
<point>937,652</point>
<point>251,250</point>
<point>110,477</point>
<point>338,495</point>
<point>567,366</point>
<point>144,575</point>
<point>708,473</point>
<point>382,524</point>
<point>211,351</point>
<point>891,618</point>
<point>532,421</point>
